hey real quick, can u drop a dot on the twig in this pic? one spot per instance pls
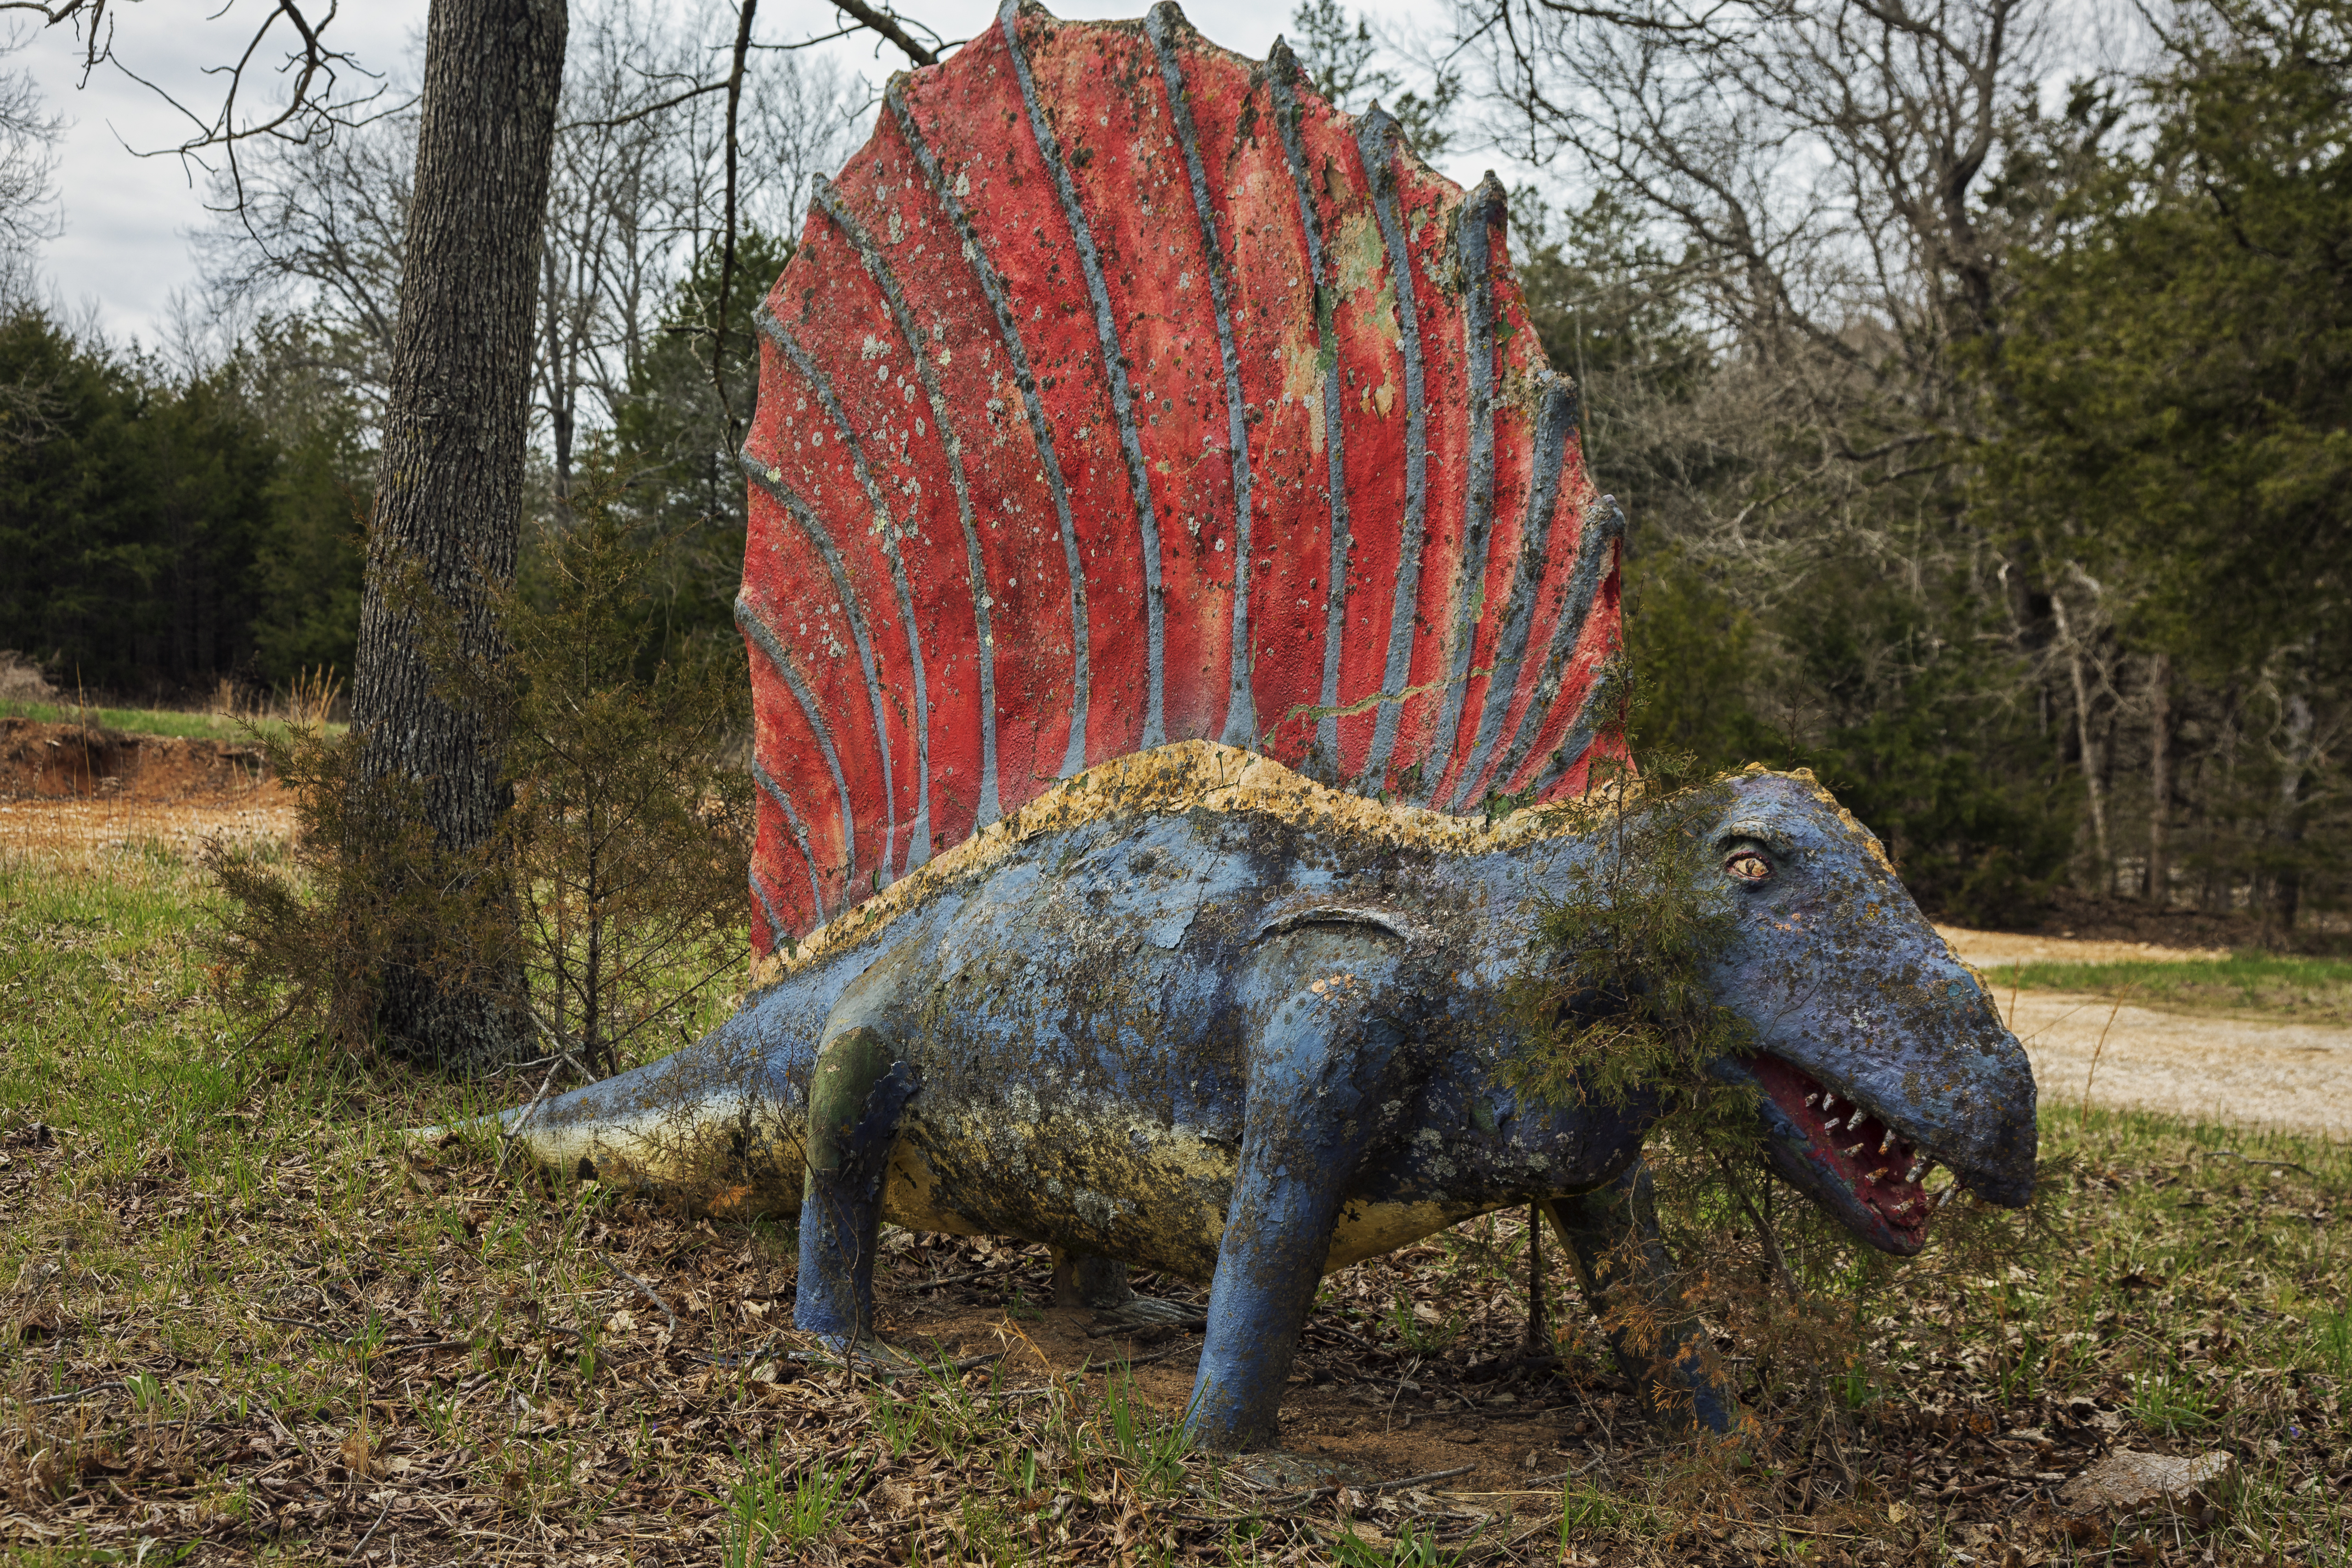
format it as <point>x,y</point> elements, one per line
<point>67,1398</point>
<point>236,1057</point>
<point>390,1347</point>
<point>507,1135</point>
<point>1337,1332</point>
<point>1090,1364</point>
<point>886,23</point>
<point>1540,1484</point>
<point>373,1529</point>
<point>2096,1052</point>
<point>956,1279</point>
<point>2233,1154</point>
<point>1764,1231</point>
<point>648,1291</point>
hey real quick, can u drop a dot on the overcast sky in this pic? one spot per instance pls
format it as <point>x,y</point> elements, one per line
<point>127,219</point>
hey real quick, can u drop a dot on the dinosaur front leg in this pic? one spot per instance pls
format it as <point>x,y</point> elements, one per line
<point>1318,1072</point>
<point>857,1093</point>
<point>1628,1280</point>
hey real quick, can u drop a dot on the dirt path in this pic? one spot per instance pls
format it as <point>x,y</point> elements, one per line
<point>2294,1075</point>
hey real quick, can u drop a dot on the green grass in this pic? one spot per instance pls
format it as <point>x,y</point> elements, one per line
<point>150,720</point>
<point>230,1253</point>
<point>2246,983</point>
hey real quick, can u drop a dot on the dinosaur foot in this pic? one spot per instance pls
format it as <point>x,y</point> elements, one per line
<point>1144,1313</point>
<point>1275,1471</point>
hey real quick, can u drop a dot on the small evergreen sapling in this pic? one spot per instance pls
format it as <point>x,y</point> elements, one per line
<point>623,846</point>
<point>630,830</point>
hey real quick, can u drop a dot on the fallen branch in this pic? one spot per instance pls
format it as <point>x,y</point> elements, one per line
<point>1103,1331</point>
<point>71,1395</point>
<point>1396,1486</point>
<point>957,1280</point>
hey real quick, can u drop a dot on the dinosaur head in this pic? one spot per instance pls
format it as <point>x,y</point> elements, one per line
<point>1878,1053</point>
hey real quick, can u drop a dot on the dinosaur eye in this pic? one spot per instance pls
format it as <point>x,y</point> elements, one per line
<point>1748,866</point>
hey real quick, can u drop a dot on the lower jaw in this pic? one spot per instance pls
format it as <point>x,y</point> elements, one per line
<point>1849,1208</point>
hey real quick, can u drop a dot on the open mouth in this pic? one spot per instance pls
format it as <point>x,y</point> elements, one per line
<point>1882,1172</point>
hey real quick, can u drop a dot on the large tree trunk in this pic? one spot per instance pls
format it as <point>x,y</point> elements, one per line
<point>449,489</point>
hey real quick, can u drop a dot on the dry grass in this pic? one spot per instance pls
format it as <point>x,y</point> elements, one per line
<point>242,1320</point>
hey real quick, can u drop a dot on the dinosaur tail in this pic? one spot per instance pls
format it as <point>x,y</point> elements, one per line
<point>716,1126</point>
<point>1122,392</point>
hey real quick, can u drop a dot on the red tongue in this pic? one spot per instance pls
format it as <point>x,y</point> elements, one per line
<point>1849,1148</point>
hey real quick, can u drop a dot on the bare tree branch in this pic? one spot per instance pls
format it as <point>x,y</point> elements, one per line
<point>890,25</point>
<point>748,10</point>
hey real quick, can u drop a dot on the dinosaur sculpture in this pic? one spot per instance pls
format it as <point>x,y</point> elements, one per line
<point>1132,425</point>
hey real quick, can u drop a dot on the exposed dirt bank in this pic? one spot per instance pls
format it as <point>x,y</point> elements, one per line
<point>76,795</point>
<point>75,761</point>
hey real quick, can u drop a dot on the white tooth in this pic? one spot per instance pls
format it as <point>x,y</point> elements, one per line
<point>1886,1144</point>
<point>1812,1099</point>
<point>1874,1176</point>
<point>1946,1198</point>
<point>1855,1119</point>
<point>1828,1101</point>
<point>1851,1154</point>
<point>1916,1172</point>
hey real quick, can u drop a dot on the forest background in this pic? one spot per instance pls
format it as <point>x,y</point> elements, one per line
<point>1981,414</point>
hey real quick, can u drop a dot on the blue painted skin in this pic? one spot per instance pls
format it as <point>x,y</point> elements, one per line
<point>1236,1048</point>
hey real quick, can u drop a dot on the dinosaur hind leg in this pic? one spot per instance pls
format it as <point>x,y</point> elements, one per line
<point>1622,1265</point>
<point>856,1094</point>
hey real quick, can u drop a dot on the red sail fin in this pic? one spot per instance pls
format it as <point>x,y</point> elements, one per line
<point>1122,392</point>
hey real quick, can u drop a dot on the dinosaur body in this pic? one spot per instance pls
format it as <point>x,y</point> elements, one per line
<point>1193,1011</point>
<point>1078,1000</point>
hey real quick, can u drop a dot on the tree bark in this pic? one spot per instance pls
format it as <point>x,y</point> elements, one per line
<point>2160,783</point>
<point>2287,820</point>
<point>449,489</point>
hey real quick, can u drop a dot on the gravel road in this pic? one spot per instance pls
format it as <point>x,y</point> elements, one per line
<point>2293,1076</point>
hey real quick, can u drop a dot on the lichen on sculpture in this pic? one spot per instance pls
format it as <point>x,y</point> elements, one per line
<point>1167,541</point>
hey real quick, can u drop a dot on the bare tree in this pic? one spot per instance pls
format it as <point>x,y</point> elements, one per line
<point>635,193</point>
<point>315,228</point>
<point>1819,167</point>
<point>29,134</point>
